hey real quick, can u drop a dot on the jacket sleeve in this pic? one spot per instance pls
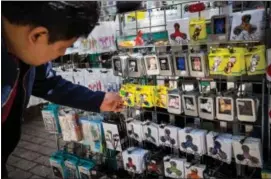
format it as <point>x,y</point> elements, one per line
<point>49,86</point>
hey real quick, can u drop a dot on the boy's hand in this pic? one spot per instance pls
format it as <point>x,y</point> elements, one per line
<point>112,102</point>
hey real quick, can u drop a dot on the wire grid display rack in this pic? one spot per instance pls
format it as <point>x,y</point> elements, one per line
<point>261,89</point>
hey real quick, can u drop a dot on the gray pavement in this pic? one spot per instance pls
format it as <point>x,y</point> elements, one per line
<point>31,157</point>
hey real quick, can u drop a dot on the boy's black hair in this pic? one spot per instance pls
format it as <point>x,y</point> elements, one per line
<point>64,20</point>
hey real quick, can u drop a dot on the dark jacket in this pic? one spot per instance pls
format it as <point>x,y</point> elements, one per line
<point>43,82</point>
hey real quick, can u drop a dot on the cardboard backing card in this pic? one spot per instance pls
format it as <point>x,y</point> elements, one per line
<point>219,146</point>
<point>247,109</point>
<point>152,65</point>
<point>197,64</point>
<point>225,108</point>
<point>247,151</point>
<point>174,167</point>
<point>180,64</point>
<point>168,136</point>
<point>206,107</point>
<point>190,103</point>
<point>165,64</point>
<point>112,137</point>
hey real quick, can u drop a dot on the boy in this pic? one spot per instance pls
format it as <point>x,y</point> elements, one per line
<point>33,34</point>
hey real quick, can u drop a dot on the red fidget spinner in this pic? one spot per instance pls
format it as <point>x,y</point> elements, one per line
<point>195,7</point>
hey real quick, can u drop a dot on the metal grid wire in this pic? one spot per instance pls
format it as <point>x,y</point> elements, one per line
<point>236,127</point>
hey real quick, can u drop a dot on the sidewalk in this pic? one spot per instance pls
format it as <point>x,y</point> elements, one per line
<point>31,157</point>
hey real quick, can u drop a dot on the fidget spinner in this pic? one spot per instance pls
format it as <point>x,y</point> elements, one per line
<point>167,137</point>
<point>196,33</point>
<point>189,143</point>
<point>193,174</point>
<point>207,106</point>
<point>246,155</point>
<point>173,169</point>
<point>245,25</point>
<point>132,133</point>
<point>130,164</point>
<point>216,150</point>
<point>152,167</point>
<point>149,136</point>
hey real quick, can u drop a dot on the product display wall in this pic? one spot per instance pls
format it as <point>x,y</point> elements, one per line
<point>203,127</point>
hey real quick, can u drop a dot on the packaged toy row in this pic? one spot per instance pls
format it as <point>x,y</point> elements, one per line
<point>240,26</point>
<point>144,96</point>
<point>232,61</point>
<point>213,107</point>
<point>66,166</point>
<point>192,103</point>
<point>198,142</point>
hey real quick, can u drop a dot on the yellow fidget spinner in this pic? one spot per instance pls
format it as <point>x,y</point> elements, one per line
<point>197,29</point>
<point>255,60</point>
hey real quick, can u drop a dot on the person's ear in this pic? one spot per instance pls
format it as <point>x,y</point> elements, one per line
<point>38,35</point>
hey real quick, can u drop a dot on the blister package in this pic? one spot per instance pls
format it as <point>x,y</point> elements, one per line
<point>175,102</point>
<point>248,151</point>
<point>134,129</point>
<point>50,118</point>
<point>165,64</point>
<point>174,167</point>
<point>70,125</point>
<point>152,65</point>
<point>57,165</point>
<point>85,167</point>
<point>71,163</point>
<point>119,65</point>
<point>134,159</point>
<point>180,64</point>
<point>189,100</point>
<point>197,65</point>
<point>197,29</point>
<point>219,146</point>
<point>151,132</point>
<point>168,136</point>
<point>255,60</point>
<point>247,109</point>
<point>225,108</point>
<point>136,66</point>
<point>192,140</point>
<point>206,107</point>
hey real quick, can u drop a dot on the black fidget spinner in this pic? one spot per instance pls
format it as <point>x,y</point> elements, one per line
<point>216,150</point>
<point>149,136</point>
<point>132,133</point>
<point>246,155</point>
<point>189,143</point>
<point>167,137</point>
